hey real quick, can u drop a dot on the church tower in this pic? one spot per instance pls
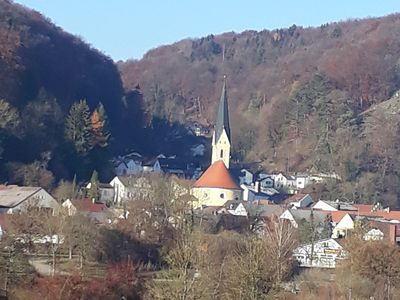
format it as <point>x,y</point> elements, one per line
<point>221,140</point>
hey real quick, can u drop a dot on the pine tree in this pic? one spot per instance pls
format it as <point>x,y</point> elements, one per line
<point>77,127</point>
<point>99,127</point>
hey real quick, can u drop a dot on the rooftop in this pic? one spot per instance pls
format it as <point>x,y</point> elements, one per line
<point>12,195</point>
<point>216,176</point>
<point>88,205</point>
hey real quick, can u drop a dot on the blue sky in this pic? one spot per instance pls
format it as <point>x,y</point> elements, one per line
<point>126,29</point>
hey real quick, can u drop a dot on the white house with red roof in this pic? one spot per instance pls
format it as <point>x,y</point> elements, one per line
<point>97,211</point>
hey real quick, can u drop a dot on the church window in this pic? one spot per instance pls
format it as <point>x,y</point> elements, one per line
<point>221,155</point>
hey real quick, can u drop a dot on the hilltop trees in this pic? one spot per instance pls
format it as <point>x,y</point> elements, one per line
<point>77,127</point>
<point>9,121</point>
<point>89,134</point>
<point>99,127</point>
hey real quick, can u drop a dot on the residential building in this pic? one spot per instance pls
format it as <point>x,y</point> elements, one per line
<point>266,182</point>
<point>106,192</point>
<point>236,208</point>
<point>244,176</point>
<point>255,192</point>
<point>334,206</point>
<point>299,201</point>
<point>302,180</point>
<point>15,198</point>
<point>129,188</point>
<point>342,223</point>
<point>296,216</point>
<point>97,211</point>
<point>325,253</point>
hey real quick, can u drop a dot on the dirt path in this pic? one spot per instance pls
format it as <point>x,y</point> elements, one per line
<point>43,267</point>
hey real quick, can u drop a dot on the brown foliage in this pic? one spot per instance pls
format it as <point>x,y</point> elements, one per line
<point>121,280</point>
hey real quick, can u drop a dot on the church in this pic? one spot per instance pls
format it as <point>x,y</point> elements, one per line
<point>216,185</point>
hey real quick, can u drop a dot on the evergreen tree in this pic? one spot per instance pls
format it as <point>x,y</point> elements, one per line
<point>77,127</point>
<point>93,192</point>
<point>99,127</point>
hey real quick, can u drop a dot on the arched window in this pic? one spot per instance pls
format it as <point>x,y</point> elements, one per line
<point>221,155</point>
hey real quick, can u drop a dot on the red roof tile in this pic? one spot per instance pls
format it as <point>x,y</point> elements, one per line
<point>391,215</point>
<point>337,216</point>
<point>88,205</point>
<point>363,207</point>
<point>217,176</point>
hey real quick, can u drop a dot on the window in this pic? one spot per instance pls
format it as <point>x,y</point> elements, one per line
<point>222,196</point>
<point>221,155</point>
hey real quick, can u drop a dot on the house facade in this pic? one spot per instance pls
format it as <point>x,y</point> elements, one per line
<point>128,188</point>
<point>342,224</point>
<point>15,198</point>
<point>322,254</point>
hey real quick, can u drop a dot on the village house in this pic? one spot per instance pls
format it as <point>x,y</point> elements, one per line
<point>236,208</point>
<point>302,180</point>
<point>334,206</point>
<point>342,223</point>
<point>152,165</point>
<point>15,198</point>
<point>96,211</point>
<point>383,230</point>
<point>106,192</point>
<point>133,164</point>
<point>254,192</point>
<point>172,166</point>
<point>297,216</point>
<point>299,201</point>
<point>129,188</point>
<point>245,177</point>
<point>266,182</point>
<point>322,254</point>
<point>291,183</point>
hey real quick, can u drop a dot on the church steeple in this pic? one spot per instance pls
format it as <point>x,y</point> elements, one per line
<point>221,142</point>
<point>223,114</point>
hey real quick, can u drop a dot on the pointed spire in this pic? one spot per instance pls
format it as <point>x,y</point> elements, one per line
<point>223,115</point>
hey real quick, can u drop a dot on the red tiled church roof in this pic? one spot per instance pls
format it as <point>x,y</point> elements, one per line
<point>217,176</point>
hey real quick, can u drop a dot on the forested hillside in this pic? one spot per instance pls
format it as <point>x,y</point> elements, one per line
<point>297,96</point>
<point>301,99</point>
<point>43,71</point>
